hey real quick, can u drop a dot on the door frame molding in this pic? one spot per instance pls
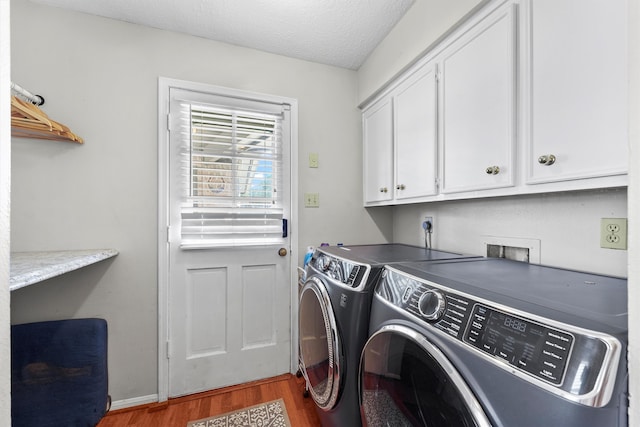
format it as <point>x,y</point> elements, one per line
<point>164,85</point>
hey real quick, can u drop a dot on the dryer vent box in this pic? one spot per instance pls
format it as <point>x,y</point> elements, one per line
<point>508,252</point>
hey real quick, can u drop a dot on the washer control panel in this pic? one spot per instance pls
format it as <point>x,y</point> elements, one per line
<point>549,353</point>
<point>446,311</point>
<point>537,349</point>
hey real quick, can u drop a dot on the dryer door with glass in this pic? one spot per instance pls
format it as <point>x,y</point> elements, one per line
<point>320,345</point>
<point>406,381</point>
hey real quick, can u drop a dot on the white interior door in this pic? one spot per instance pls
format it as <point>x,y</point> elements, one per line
<point>228,308</point>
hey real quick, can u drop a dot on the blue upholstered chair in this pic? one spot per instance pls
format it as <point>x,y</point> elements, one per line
<point>59,373</point>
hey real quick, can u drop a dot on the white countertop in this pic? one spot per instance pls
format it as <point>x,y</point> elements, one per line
<point>28,268</point>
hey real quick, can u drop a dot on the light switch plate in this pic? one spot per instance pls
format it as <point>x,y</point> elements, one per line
<point>313,160</point>
<point>311,200</point>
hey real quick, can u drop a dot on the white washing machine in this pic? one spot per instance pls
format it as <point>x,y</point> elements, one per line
<point>493,342</point>
<point>334,321</point>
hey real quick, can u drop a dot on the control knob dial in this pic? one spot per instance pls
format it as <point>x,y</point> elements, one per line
<point>324,262</point>
<point>431,305</point>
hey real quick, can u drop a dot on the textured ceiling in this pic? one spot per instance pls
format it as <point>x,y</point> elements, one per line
<point>334,32</point>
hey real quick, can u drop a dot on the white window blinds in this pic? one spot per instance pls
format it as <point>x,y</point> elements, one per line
<point>232,171</point>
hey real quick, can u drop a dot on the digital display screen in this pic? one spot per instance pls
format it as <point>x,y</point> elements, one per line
<point>534,348</point>
<point>515,324</point>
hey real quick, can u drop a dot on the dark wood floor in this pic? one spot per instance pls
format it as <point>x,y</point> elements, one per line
<point>177,412</point>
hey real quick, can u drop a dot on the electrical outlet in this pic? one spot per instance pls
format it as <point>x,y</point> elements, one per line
<point>311,200</point>
<point>613,233</point>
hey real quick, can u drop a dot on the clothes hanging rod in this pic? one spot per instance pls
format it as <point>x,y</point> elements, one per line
<point>34,99</point>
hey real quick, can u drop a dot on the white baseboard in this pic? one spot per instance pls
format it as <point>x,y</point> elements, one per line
<point>135,401</point>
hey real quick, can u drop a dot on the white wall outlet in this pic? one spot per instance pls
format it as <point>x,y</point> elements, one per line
<point>311,200</point>
<point>613,233</point>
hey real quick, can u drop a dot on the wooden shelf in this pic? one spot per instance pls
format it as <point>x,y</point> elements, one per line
<point>28,268</point>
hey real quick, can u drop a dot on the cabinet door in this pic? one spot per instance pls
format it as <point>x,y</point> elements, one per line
<point>378,152</point>
<point>578,89</point>
<point>478,106</point>
<point>415,118</point>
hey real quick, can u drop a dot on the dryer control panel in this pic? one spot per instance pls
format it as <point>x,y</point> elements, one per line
<point>554,355</point>
<point>343,271</point>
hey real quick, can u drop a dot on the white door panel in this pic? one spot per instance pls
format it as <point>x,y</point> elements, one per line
<point>205,296</point>
<point>229,319</point>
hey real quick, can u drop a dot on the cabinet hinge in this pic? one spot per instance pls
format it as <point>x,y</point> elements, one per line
<point>168,351</point>
<point>169,122</point>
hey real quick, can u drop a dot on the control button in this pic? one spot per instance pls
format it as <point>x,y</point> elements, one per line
<point>506,356</point>
<point>431,305</point>
<point>324,262</point>
<point>352,275</point>
<point>549,375</point>
<point>407,294</point>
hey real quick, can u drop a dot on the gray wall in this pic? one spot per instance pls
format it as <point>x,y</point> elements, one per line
<point>566,226</point>
<point>100,78</point>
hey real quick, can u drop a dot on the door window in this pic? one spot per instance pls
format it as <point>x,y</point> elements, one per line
<point>231,173</point>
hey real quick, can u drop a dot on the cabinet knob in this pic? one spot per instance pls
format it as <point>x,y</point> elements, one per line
<point>400,187</point>
<point>547,159</point>
<point>384,190</point>
<point>493,170</point>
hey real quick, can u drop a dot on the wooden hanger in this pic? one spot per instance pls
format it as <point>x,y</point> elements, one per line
<point>29,121</point>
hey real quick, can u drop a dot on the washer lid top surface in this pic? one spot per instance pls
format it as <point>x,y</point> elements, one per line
<point>588,295</point>
<point>389,253</point>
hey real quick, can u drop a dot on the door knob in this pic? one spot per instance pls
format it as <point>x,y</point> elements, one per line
<point>282,252</point>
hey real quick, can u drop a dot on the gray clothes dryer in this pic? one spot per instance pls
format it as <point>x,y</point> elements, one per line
<point>493,342</point>
<point>334,321</point>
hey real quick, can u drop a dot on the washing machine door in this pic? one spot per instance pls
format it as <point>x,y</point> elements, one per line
<point>320,345</point>
<point>406,381</point>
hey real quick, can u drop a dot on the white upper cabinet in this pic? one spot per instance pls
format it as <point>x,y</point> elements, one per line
<point>415,114</point>
<point>400,137</point>
<point>478,105</point>
<point>377,128</point>
<point>525,96</point>
<point>578,90</point>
